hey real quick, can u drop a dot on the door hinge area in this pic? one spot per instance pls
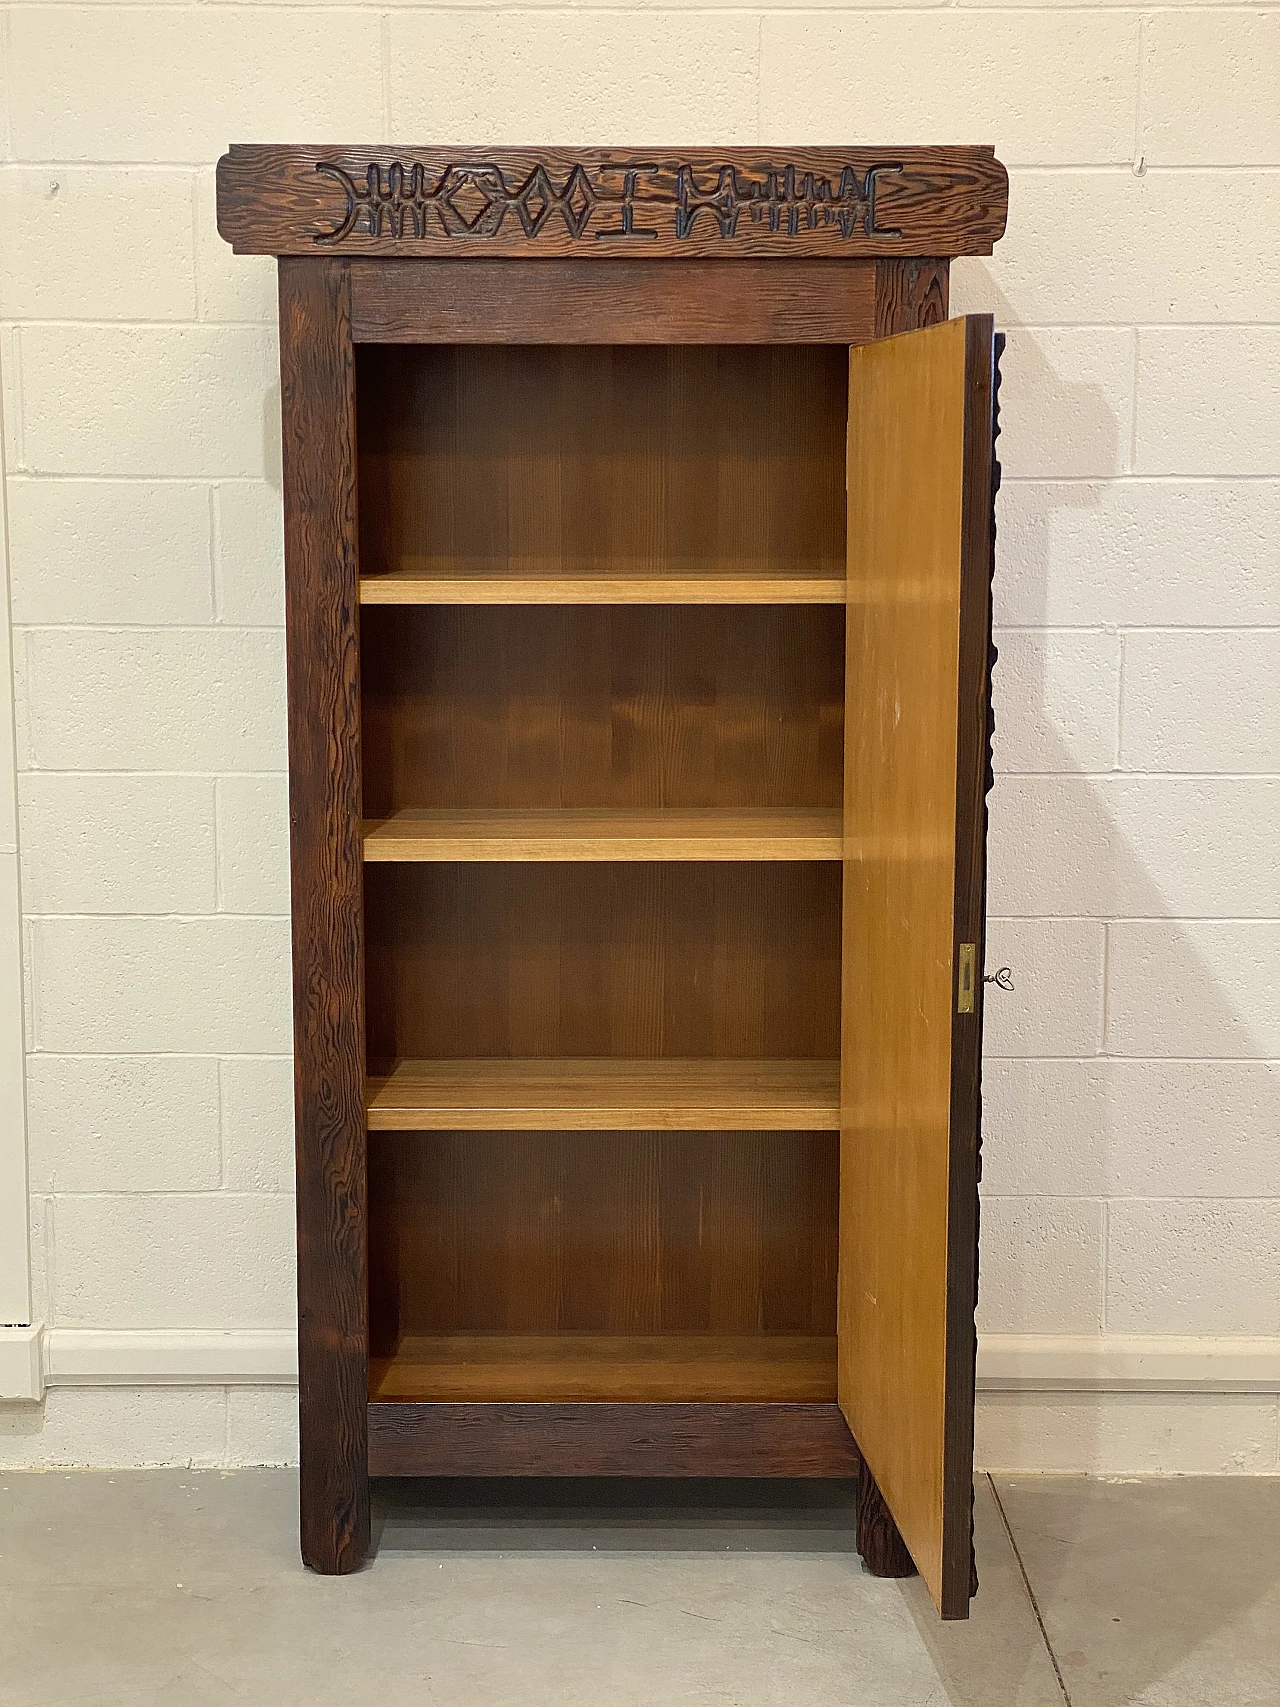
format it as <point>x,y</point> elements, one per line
<point>965,980</point>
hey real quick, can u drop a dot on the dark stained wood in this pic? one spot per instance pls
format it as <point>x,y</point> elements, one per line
<point>707,958</point>
<point>632,302</point>
<point>606,1233</point>
<point>563,461</point>
<point>670,427</point>
<point>317,369</point>
<point>883,1550</point>
<point>910,294</point>
<point>606,706</point>
<point>973,780</point>
<point>610,1440</point>
<point>610,204</point>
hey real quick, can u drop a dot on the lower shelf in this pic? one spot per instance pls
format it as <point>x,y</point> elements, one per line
<point>595,1368</point>
<point>610,1440</point>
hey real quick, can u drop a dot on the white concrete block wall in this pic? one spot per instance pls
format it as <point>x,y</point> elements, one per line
<point>1133,1076</point>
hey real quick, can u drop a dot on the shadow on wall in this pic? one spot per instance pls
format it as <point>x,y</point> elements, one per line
<point>1103,854</point>
<point>1064,849</point>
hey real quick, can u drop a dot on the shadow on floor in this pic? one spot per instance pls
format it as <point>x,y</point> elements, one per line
<point>612,1514</point>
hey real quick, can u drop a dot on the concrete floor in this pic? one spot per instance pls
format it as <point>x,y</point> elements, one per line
<point>124,1589</point>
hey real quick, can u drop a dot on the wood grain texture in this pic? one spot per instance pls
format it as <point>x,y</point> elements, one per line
<point>631,302</point>
<point>586,463</point>
<point>609,203</point>
<point>605,1096</point>
<point>317,372</point>
<point>583,1232</point>
<point>880,1544</point>
<point>907,1159</point>
<point>423,581</point>
<point>610,1440</point>
<point>611,708</point>
<point>424,834</point>
<point>910,294</point>
<point>608,1368</point>
<point>625,959</point>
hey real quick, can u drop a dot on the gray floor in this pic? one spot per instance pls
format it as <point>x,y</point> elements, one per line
<point>182,1587</point>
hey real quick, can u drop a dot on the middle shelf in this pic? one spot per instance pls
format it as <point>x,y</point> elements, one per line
<point>779,833</point>
<point>605,1095</point>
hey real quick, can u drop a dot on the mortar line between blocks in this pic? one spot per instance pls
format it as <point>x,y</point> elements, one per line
<point>215,547</point>
<point>19,405</point>
<point>219,902</point>
<point>1192,477</point>
<point>195,248</point>
<point>1057,168</point>
<point>1023,1060</point>
<point>1139,161</point>
<point>6,79</point>
<point>222,1142</point>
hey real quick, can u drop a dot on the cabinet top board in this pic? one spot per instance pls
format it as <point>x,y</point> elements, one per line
<point>610,203</point>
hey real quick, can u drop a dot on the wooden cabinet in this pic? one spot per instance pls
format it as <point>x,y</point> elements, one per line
<point>638,544</point>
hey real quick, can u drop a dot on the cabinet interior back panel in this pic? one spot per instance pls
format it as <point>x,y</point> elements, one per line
<point>702,959</point>
<point>468,706</point>
<point>616,1233</point>
<point>550,460</point>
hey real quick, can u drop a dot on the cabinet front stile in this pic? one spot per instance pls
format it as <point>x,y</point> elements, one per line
<point>317,366</point>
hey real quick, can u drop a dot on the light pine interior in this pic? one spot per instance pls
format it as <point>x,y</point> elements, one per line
<point>602,885</point>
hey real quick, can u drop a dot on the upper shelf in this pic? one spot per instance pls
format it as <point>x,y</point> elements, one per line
<point>440,583</point>
<point>783,833</point>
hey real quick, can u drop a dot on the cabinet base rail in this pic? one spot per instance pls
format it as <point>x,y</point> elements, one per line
<point>595,1439</point>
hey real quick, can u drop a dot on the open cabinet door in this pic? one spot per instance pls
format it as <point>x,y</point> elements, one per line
<point>916,759</point>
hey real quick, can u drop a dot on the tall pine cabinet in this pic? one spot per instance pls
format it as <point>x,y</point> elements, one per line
<point>638,551</point>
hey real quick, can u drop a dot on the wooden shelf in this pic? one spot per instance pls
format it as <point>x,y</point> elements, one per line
<point>441,581</point>
<point>605,1095</point>
<point>427,835</point>
<point>587,1368</point>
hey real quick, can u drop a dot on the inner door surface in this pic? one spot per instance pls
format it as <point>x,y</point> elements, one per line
<point>919,569</point>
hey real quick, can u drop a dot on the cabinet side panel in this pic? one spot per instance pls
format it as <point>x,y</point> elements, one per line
<point>317,371</point>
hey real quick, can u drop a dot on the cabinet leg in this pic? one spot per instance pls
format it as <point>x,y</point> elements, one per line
<point>334,1526</point>
<point>883,1550</point>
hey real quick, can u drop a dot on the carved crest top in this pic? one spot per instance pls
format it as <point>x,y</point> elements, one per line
<point>611,202</point>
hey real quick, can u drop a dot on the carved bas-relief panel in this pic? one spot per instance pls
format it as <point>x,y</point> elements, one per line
<point>475,201</point>
<point>433,201</point>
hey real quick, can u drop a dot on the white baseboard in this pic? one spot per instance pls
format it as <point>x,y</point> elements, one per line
<point>21,1363</point>
<point>32,1359</point>
<point>170,1357</point>
<point>1125,1363</point>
